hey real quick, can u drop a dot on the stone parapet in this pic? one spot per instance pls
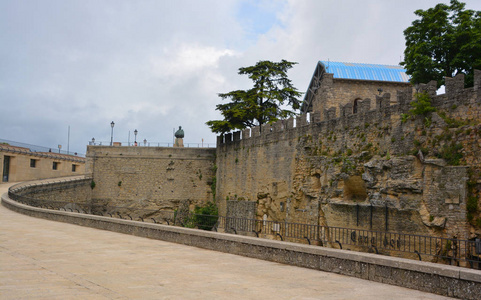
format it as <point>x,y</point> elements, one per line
<point>428,277</point>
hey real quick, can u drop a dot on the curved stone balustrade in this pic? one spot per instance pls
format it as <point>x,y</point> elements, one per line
<point>440,279</point>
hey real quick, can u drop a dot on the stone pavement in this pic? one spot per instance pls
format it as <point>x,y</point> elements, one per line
<point>41,259</point>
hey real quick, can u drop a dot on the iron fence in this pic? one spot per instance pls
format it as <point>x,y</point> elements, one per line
<point>466,253</point>
<point>42,149</point>
<point>151,144</point>
<point>437,249</point>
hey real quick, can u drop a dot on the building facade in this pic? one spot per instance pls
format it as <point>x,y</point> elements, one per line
<point>22,164</point>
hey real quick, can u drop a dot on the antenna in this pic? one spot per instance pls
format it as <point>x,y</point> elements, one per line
<point>68,140</point>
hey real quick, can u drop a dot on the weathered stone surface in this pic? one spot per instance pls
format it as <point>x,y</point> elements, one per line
<point>337,171</point>
<point>151,178</point>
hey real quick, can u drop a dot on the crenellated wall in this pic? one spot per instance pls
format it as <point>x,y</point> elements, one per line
<point>330,168</point>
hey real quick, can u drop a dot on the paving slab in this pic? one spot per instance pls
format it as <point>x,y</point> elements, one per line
<point>42,259</point>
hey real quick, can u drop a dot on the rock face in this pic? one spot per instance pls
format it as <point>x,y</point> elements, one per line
<point>378,169</point>
<point>419,197</point>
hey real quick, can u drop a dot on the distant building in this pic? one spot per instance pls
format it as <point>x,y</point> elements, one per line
<point>22,164</point>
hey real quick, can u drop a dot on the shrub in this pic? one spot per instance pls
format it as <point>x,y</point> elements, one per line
<point>451,154</point>
<point>472,204</point>
<point>205,217</point>
<point>422,105</point>
<point>453,123</point>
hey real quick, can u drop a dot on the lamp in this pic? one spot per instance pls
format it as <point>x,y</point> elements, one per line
<point>112,133</point>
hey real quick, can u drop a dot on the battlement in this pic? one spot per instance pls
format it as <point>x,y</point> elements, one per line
<point>384,111</point>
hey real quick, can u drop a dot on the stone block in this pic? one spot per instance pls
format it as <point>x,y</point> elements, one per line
<point>315,117</point>
<point>278,126</point>
<point>429,88</point>
<point>301,120</point>
<point>470,275</point>
<point>330,114</point>
<point>346,110</point>
<point>246,133</point>
<point>228,138</point>
<point>365,106</point>
<point>237,136</point>
<point>255,131</point>
<point>454,85</point>
<point>290,123</point>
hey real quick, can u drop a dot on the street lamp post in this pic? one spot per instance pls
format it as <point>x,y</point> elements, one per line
<point>112,133</point>
<point>93,141</point>
<point>135,133</point>
<point>145,142</point>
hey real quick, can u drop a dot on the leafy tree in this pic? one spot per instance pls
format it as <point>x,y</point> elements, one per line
<point>262,103</point>
<point>446,40</point>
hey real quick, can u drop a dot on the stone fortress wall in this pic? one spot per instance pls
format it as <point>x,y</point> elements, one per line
<point>368,170</point>
<point>151,178</point>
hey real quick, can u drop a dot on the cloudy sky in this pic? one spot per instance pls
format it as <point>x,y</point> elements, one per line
<point>156,65</point>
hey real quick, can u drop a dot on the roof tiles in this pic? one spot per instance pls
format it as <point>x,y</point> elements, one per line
<point>366,71</point>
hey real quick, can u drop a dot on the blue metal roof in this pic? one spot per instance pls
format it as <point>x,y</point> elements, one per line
<point>365,71</point>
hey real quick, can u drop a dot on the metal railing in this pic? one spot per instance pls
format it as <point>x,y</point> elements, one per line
<point>437,249</point>
<point>151,144</point>
<point>466,253</point>
<point>36,148</point>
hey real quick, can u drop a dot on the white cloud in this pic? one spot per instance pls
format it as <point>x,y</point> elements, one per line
<point>187,59</point>
<point>154,65</point>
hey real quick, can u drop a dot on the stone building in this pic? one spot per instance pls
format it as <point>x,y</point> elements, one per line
<point>22,164</point>
<point>336,84</point>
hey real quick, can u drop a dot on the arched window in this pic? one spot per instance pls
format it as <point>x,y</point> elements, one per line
<point>354,106</point>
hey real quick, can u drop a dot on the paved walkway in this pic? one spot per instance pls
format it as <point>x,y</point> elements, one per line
<point>41,259</point>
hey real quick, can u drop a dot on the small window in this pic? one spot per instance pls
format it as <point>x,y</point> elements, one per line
<point>55,165</point>
<point>74,168</point>
<point>33,163</point>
